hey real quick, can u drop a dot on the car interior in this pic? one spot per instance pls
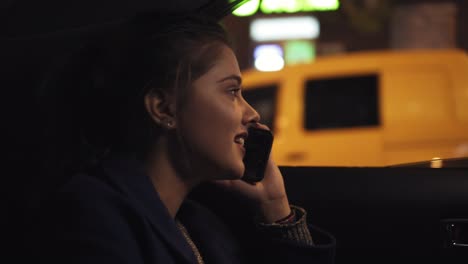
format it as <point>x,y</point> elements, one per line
<point>405,213</point>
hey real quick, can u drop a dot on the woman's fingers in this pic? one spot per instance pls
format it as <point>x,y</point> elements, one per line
<point>261,126</point>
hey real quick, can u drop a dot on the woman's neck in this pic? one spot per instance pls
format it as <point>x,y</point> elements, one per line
<point>172,187</point>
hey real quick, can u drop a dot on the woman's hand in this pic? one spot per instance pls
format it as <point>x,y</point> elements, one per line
<point>269,195</point>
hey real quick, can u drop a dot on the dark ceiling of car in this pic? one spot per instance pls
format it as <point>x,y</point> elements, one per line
<point>28,17</point>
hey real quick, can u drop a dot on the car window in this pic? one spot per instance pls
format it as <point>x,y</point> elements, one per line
<point>342,102</point>
<point>263,99</point>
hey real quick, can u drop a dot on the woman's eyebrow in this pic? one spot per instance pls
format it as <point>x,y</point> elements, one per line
<point>231,77</point>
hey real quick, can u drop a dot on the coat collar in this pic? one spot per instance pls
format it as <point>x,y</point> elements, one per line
<point>127,173</point>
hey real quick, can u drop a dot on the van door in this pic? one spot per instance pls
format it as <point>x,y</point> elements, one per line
<point>420,114</point>
<point>340,121</point>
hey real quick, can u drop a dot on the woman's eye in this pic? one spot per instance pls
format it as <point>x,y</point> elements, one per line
<point>235,91</point>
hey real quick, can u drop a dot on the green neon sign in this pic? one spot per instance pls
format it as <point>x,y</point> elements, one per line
<point>247,9</point>
<point>299,51</point>
<point>285,6</point>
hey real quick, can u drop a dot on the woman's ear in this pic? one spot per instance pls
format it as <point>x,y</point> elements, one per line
<point>161,107</point>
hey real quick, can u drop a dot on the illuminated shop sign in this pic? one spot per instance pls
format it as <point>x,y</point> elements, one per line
<point>268,57</point>
<point>283,28</point>
<point>285,6</point>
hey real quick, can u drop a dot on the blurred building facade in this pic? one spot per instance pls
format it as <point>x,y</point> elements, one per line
<point>360,25</point>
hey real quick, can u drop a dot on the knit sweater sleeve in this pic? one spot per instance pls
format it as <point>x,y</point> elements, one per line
<point>295,231</point>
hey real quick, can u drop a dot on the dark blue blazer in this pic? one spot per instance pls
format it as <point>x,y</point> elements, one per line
<point>114,215</point>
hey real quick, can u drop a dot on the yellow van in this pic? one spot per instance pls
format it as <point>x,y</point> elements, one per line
<point>365,109</point>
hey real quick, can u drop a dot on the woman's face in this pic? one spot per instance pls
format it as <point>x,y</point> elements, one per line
<point>214,120</point>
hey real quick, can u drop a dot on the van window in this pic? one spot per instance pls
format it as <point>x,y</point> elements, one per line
<point>342,102</point>
<point>263,99</point>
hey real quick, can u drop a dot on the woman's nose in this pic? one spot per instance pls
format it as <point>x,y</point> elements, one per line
<point>250,114</point>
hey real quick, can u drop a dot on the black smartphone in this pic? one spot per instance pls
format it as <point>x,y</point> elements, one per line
<point>257,151</point>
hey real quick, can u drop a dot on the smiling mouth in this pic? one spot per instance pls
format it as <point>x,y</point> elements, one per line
<point>239,140</point>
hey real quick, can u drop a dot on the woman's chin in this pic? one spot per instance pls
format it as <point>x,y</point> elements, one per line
<point>241,171</point>
<point>236,172</point>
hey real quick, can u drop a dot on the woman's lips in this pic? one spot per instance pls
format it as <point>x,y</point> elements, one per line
<point>240,140</point>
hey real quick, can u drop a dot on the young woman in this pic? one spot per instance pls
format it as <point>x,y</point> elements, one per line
<point>160,100</point>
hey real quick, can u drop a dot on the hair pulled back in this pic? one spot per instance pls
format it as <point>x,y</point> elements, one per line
<point>99,93</point>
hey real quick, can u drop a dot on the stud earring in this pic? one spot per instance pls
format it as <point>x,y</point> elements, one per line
<point>169,123</point>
